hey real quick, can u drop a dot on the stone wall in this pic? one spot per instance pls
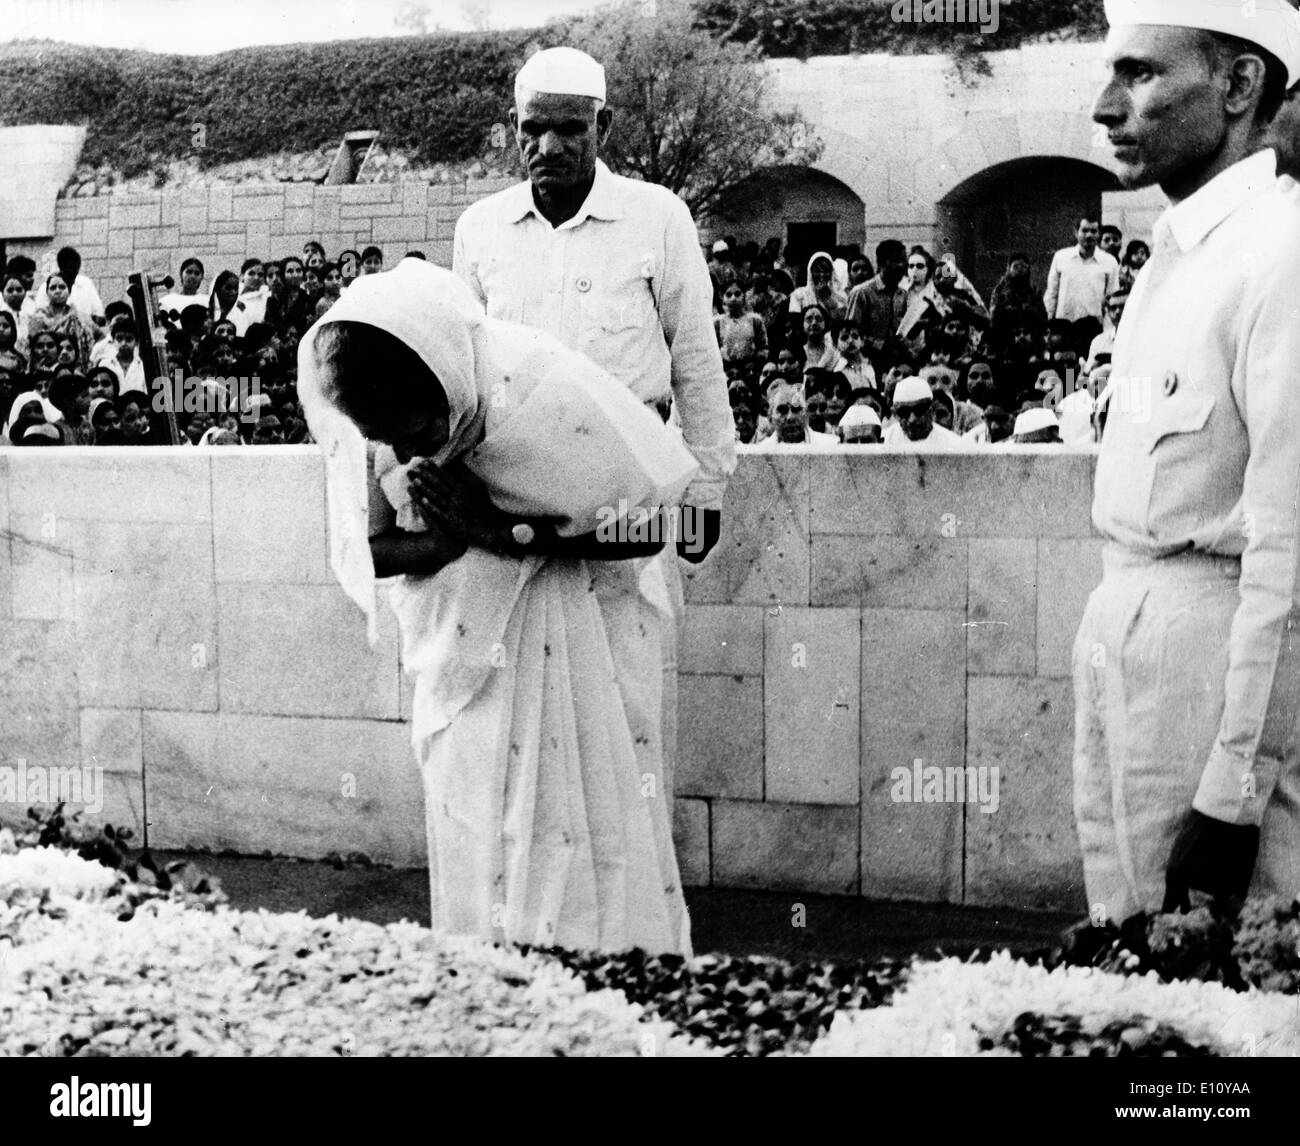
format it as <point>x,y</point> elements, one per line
<point>900,132</point>
<point>904,131</point>
<point>154,231</point>
<point>169,616</point>
<point>38,160</point>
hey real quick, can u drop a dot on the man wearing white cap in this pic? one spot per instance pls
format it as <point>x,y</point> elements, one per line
<point>1037,427</point>
<point>613,268</point>
<point>1187,662</point>
<point>915,427</point>
<point>860,426</point>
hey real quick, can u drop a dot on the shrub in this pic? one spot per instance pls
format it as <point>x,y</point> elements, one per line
<point>435,97</point>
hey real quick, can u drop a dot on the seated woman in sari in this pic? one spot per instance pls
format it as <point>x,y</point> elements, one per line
<point>531,624</point>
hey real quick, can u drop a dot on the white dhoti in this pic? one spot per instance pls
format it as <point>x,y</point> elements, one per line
<point>1150,664</point>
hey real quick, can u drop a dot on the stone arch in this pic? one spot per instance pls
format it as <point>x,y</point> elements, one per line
<point>1030,204</point>
<point>844,158</point>
<point>808,208</point>
<point>987,141</point>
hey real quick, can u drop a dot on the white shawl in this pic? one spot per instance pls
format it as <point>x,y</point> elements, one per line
<point>547,431</point>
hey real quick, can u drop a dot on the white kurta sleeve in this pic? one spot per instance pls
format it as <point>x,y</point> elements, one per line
<point>1262,694</point>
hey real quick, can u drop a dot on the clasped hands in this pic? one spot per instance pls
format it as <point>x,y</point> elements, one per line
<point>454,501</point>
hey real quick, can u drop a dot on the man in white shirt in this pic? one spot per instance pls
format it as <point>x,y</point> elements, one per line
<point>613,268</point>
<point>1104,343</point>
<point>1186,666</point>
<point>787,409</point>
<point>860,426</point>
<point>1037,426</point>
<point>1080,279</point>
<point>914,426</point>
<point>857,369</point>
<point>126,363</point>
<point>1111,241</point>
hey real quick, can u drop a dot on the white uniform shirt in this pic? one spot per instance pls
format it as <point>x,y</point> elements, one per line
<point>624,282</point>
<point>1077,287</point>
<point>1202,444</point>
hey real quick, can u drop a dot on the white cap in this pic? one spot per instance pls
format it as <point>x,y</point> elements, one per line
<point>1031,421</point>
<point>912,390</point>
<point>859,415</point>
<point>720,246</point>
<point>1273,25</point>
<point>561,71</point>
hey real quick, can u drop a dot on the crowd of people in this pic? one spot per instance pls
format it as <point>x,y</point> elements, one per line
<point>904,352</point>
<point>907,353</point>
<point>72,373</point>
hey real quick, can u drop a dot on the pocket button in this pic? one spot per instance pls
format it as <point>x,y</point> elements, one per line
<point>1171,384</point>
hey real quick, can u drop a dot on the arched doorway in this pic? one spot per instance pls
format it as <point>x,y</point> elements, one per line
<point>806,209</point>
<point>1031,205</point>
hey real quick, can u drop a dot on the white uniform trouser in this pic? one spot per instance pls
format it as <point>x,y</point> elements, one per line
<point>1150,663</point>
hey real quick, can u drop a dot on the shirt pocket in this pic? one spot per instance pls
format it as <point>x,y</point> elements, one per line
<point>618,303</point>
<point>1179,457</point>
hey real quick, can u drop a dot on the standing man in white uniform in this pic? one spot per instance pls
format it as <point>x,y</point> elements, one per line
<point>613,268</point>
<point>1187,662</point>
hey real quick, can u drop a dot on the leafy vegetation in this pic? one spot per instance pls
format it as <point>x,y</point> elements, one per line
<point>806,28</point>
<point>437,97</point>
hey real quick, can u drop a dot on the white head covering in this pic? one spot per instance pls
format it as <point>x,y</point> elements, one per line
<point>912,390</point>
<point>1031,421</point>
<point>561,71</point>
<point>548,432</point>
<point>409,302</point>
<point>859,415</point>
<point>49,411</point>
<point>1273,25</point>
